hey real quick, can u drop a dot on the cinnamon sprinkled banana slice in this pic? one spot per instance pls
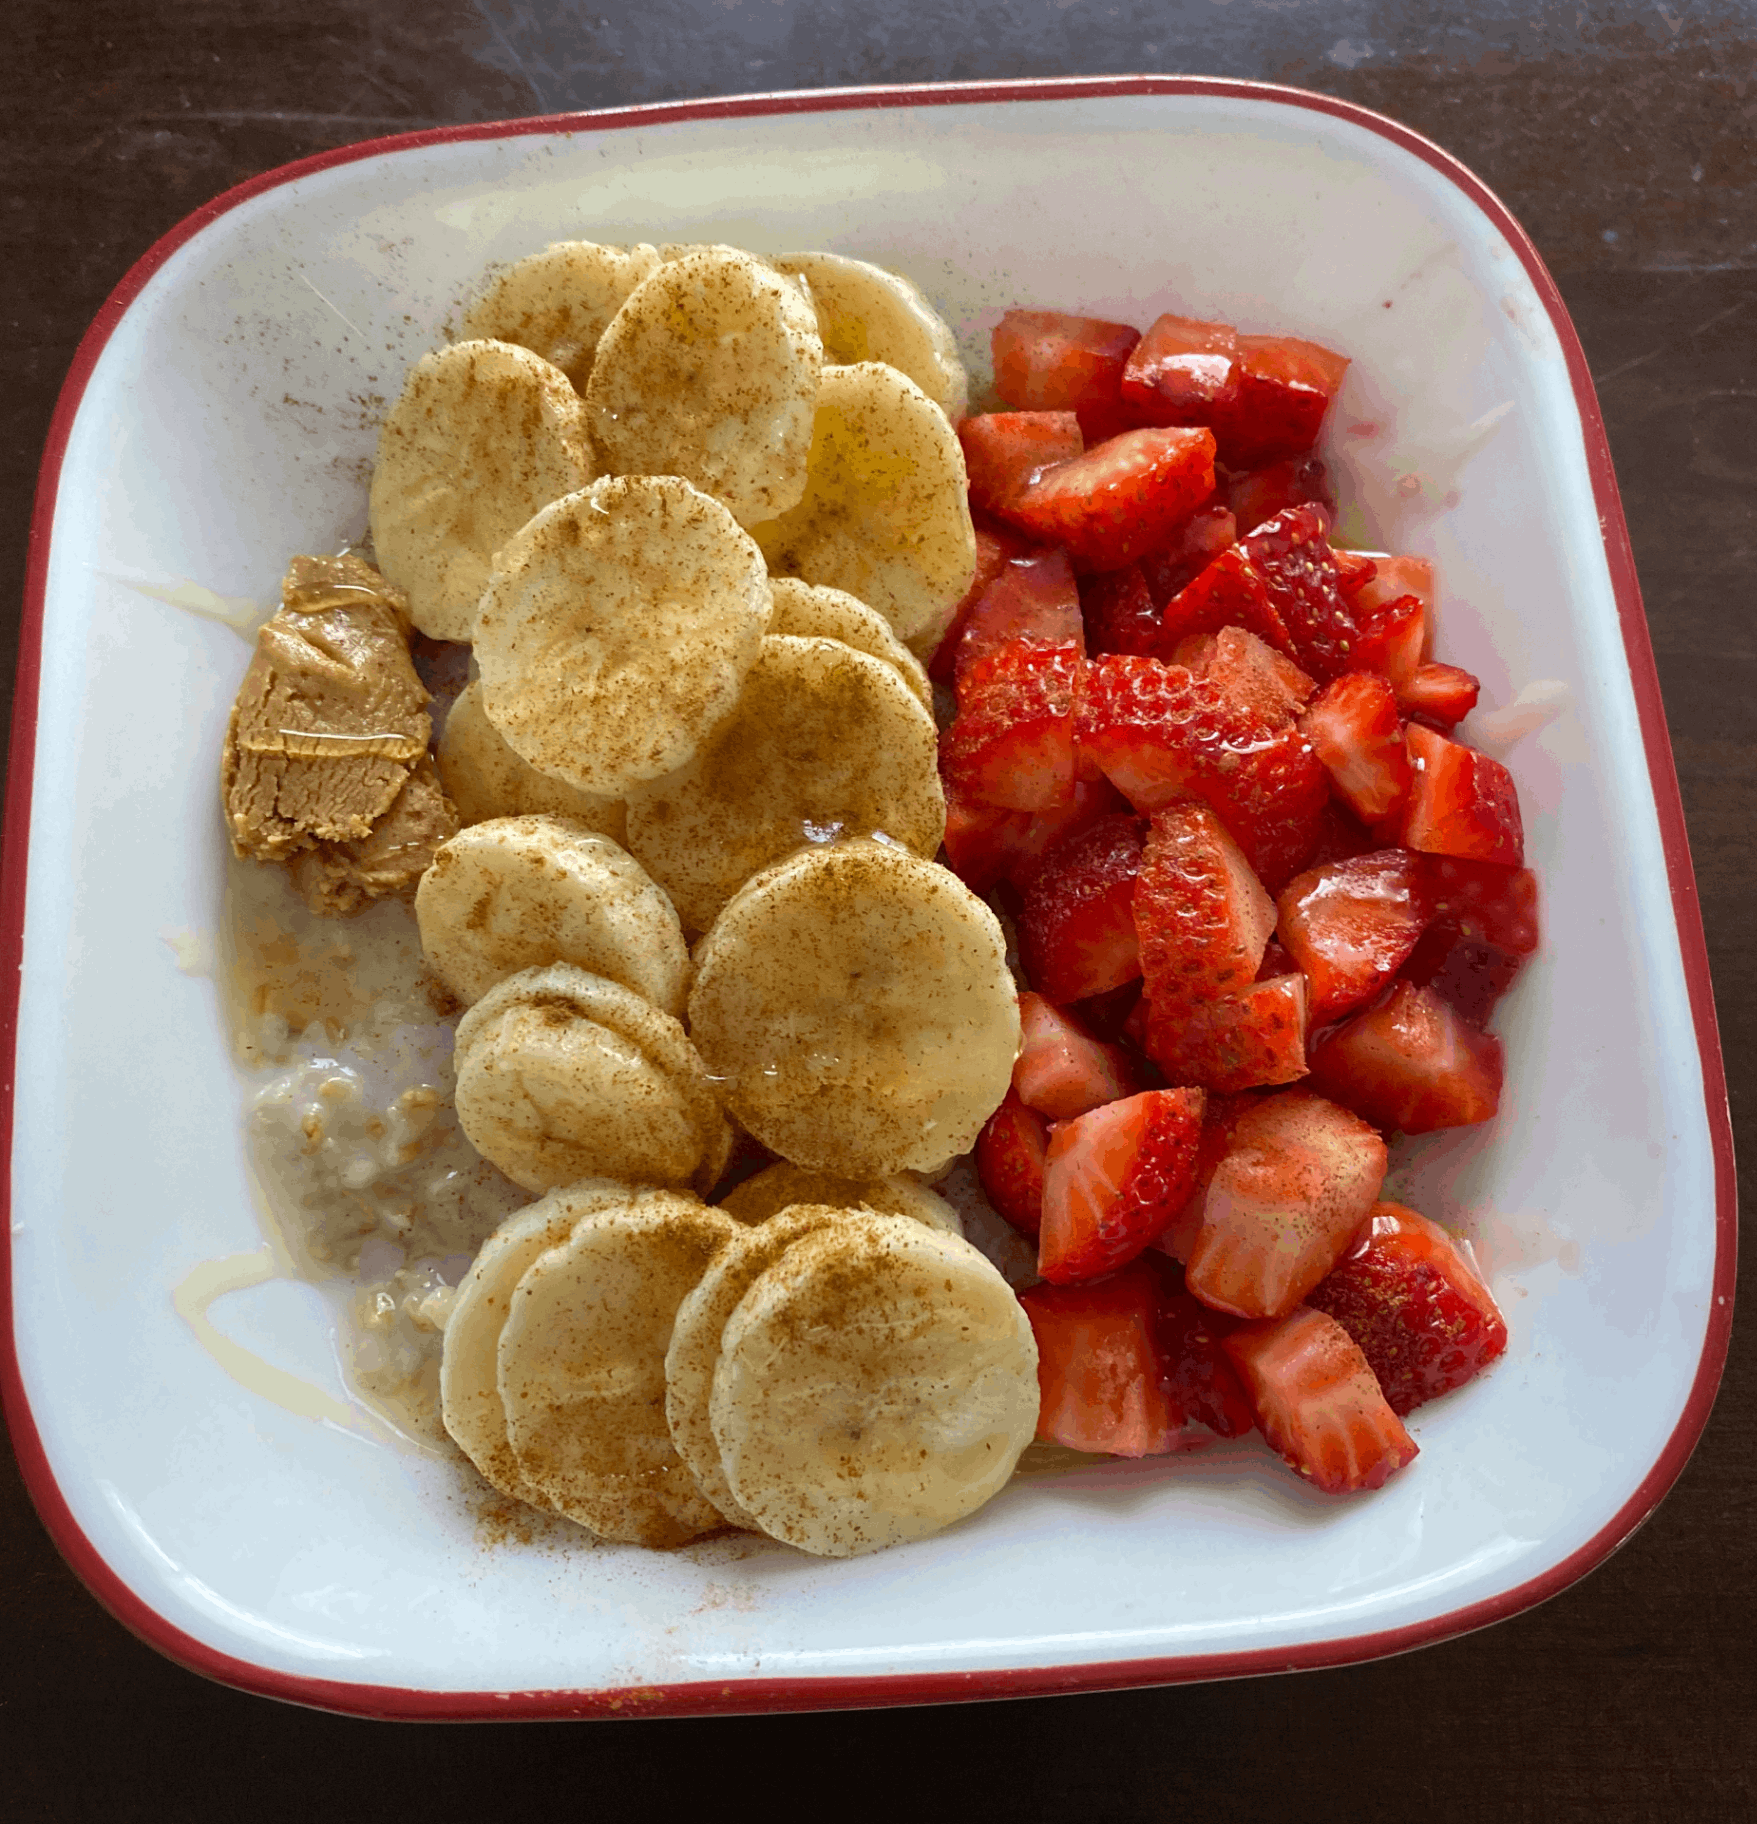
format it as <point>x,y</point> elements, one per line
<point>563,1075</point>
<point>875,1385</point>
<point>694,1352</point>
<point>865,313</point>
<point>855,1003</point>
<point>559,302</point>
<point>522,891</point>
<point>484,778</point>
<point>469,1387</point>
<point>709,371</point>
<point>617,631</point>
<point>811,612</point>
<point>781,1185</point>
<point>582,1368</point>
<point>884,514</point>
<point>483,436</point>
<point>823,740</point>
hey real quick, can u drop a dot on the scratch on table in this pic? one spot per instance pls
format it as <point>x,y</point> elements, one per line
<point>1720,316</point>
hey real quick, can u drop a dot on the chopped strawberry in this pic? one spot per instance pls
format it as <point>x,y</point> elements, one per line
<point>1227,592</point>
<point>995,546</point>
<point>1354,569</point>
<point>1249,673</point>
<point>1159,735</point>
<point>1317,1402</point>
<point>1413,1063</point>
<point>1252,1039</point>
<point>1410,1296</point>
<point>1283,1204</point>
<point>986,844</point>
<point>1201,1384</point>
<point>1005,451</point>
<point>1207,532</point>
<point>1355,730</point>
<point>1391,639</point>
<point>1121,614</point>
<point>1101,1378</point>
<point>1439,695</point>
<point>1260,494</point>
<point>1484,926</point>
<point>1220,1118</point>
<point>1468,975</point>
<point>1293,557</point>
<point>1182,372</point>
<point>1113,1179</point>
<point>1032,602</point>
<point>1460,802</point>
<point>1010,1153</point>
<point>1061,1070</point>
<point>1049,361</point>
<point>1276,962</point>
<point>1121,500</point>
<point>1011,742</point>
<point>1077,925</point>
<point>1351,925</point>
<point>1202,915</point>
<point>1107,1014</point>
<point>1395,577</point>
<point>1285,388</point>
<point>1341,834</point>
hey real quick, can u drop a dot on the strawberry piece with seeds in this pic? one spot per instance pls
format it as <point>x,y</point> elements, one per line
<point>1202,916</point>
<point>1207,532</point>
<point>1120,612</point>
<point>1351,925</point>
<point>996,545</point>
<point>1460,802</point>
<point>1391,640</point>
<point>986,844</point>
<point>1253,1039</point>
<point>1062,1071</point>
<point>1050,361</point>
<point>1228,592</point>
<point>1220,1118</point>
<point>1394,578</point>
<point>1317,1402</point>
<point>1033,601</point>
<point>1076,924</point>
<point>1011,742</point>
<point>1283,1204</point>
<point>1411,1063</point>
<point>1010,1154</point>
<point>1285,389</point>
<point>1260,494</point>
<point>1355,730</point>
<point>1006,451</point>
<point>1292,556</point>
<point>1113,1178</point>
<point>1182,371</point>
<point>1410,1296</point>
<point>1249,673</point>
<point>1439,695</point>
<point>1485,924</point>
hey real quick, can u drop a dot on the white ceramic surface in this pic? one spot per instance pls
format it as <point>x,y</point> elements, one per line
<point>229,421</point>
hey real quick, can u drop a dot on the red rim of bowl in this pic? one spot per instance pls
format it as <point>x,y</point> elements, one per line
<point>779,1694</point>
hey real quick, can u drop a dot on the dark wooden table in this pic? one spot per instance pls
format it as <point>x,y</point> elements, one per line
<point>1623,137</point>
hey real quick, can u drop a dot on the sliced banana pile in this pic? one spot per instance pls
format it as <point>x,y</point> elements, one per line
<point>653,1370</point>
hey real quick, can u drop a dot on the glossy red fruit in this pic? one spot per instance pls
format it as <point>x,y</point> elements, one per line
<point>1355,730</point>
<point>1182,371</point>
<point>1202,916</point>
<point>1485,924</point>
<point>1033,601</point>
<point>1050,361</point>
<point>1120,612</point>
<point>1354,569</point>
<point>1010,1154</point>
<point>1207,532</point>
<point>1113,1179</point>
<point>1411,1063</point>
<point>1201,1384</point>
<point>1220,1117</point>
<point>986,844</point>
<point>1259,494</point>
<point>1317,1402</point>
<point>1005,451</point>
<point>1461,803</point>
<point>1285,389</point>
<point>1121,500</point>
<point>1283,1204</point>
<point>1293,557</point>
<point>1247,672</point>
<point>1011,742</point>
<point>1063,1071</point>
<point>1351,925</point>
<point>1076,923</point>
<point>1395,577</point>
<point>1391,639</point>
<point>1254,1038</point>
<point>1228,592</point>
<point>995,545</point>
<point>1439,695</point>
<point>1410,1296</point>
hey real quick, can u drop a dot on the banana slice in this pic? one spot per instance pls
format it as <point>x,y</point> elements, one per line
<point>823,740</point>
<point>617,631</point>
<point>709,371</point>
<point>855,1004</point>
<point>884,514</point>
<point>484,778</point>
<point>563,1075</point>
<point>694,1352</point>
<point>811,612</point>
<point>483,436</point>
<point>865,313</point>
<point>582,1368</point>
<point>469,1388</point>
<point>875,1385</point>
<point>782,1185</point>
<point>521,891</point>
<point>559,302</point>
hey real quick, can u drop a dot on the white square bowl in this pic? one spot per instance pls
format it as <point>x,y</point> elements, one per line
<point>221,415</point>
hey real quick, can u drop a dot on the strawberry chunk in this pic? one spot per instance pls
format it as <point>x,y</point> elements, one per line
<point>1220,1118</point>
<point>1077,924</point>
<point>1202,537</point>
<point>1113,1179</point>
<point>1439,695</point>
<point>1469,976</point>
<point>1351,925</point>
<point>1411,1063</point>
<point>1253,1039</point>
<point>1260,494</point>
<point>1410,1295</point>
<point>1317,1402</point>
<point>1355,730</point>
<point>1283,1204</point>
<point>1033,601</point>
<point>1460,802</point>
<point>1391,639</point>
<point>1121,614</point>
<point>1394,578</point>
<point>1228,592</point>
<point>986,844</point>
<point>1124,498</point>
<point>1062,1071</point>
<point>995,546</point>
<point>1202,916</point>
<point>1201,1384</point>
<point>1182,371</point>
<point>1049,361</point>
<point>1285,389</point>
<point>1011,742</point>
<point>1006,451</point>
<point>1292,556</point>
<point>1010,1154</point>
<point>1249,673</point>
<point>1485,924</point>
